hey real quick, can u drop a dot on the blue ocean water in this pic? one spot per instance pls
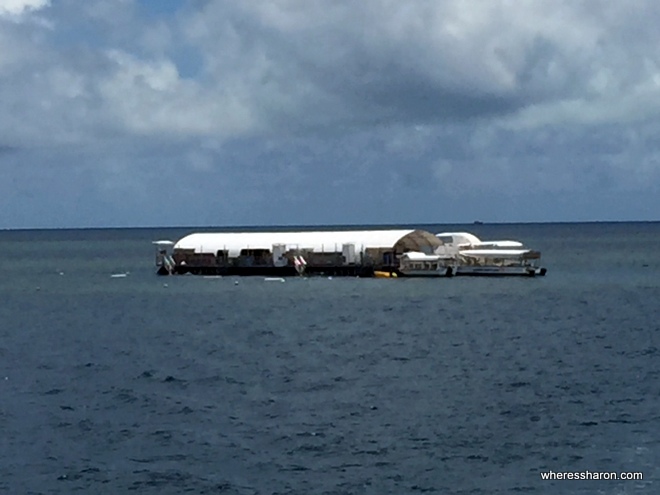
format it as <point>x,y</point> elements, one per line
<point>148,384</point>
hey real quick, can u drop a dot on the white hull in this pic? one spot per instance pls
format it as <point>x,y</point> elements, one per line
<point>495,271</point>
<point>416,264</point>
<point>442,272</point>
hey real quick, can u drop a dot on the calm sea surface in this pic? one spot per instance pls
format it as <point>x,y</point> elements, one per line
<point>197,385</point>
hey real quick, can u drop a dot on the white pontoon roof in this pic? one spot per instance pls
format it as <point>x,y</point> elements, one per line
<point>318,241</point>
<point>467,239</point>
<point>459,237</point>
<point>498,244</point>
<point>417,256</point>
<point>495,253</point>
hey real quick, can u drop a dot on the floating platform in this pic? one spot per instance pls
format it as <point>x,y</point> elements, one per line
<point>350,253</point>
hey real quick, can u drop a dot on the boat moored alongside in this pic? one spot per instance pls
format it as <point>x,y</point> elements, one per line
<point>490,258</point>
<point>416,264</point>
<point>500,262</point>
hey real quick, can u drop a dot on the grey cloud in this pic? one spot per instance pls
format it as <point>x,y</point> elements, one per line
<point>378,61</point>
<point>275,67</point>
<point>285,112</point>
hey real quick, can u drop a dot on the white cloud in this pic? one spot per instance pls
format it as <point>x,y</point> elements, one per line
<point>15,8</point>
<point>149,96</point>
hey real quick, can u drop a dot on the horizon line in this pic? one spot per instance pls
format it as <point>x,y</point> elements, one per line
<point>388,225</point>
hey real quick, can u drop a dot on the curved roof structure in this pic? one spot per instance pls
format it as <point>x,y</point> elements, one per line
<point>466,239</point>
<point>458,238</point>
<point>400,241</point>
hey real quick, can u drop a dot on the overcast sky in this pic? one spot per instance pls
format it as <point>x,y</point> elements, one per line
<point>285,112</point>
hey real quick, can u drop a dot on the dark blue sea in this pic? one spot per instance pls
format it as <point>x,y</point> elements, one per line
<point>170,385</point>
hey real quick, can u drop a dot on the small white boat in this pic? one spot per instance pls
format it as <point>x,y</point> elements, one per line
<point>416,264</point>
<point>500,262</point>
<point>495,258</point>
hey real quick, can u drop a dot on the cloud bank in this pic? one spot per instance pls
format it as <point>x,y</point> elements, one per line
<point>292,111</point>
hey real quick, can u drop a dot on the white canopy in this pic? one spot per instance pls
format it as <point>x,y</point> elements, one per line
<point>317,241</point>
<point>417,256</point>
<point>494,253</point>
<point>464,239</point>
<point>458,238</point>
<point>498,244</point>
